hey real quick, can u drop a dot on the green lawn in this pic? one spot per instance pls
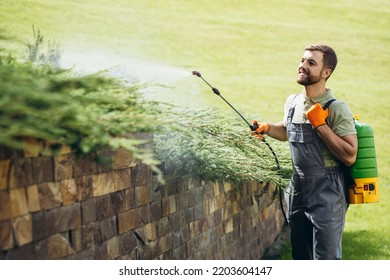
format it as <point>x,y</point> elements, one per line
<point>249,50</point>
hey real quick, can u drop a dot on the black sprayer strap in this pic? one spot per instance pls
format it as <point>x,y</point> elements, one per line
<point>327,104</point>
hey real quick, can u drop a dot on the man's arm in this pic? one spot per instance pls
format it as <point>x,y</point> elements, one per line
<point>343,148</point>
<point>278,131</point>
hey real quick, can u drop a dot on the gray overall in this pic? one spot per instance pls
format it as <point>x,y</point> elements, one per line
<point>315,197</point>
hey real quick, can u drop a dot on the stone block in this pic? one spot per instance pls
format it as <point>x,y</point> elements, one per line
<point>188,215</point>
<point>265,213</point>
<point>63,166</point>
<point>144,214</point>
<point>43,169</point>
<point>182,186</point>
<point>141,175</point>
<point>218,217</point>
<point>180,252</point>
<point>227,213</point>
<point>42,223</point>
<point>199,211</point>
<point>235,207</point>
<point>103,207</point>
<point>66,218</point>
<point>209,190</point>
<point>185,234</point>
<point>122,179</point>
<point>84,185</point>
<point>142,195</point>
<point>199,243</point>
<point>5,206</point>
<point>216,203</point>
<point>228,225</point>
<point>88,211</point>
<point>206,207</point>
<point>85,165</point>
<point>191,183</point>
<point>113,248</point>
<point>128,220</point>
<point>155,210</point>
<point>118,202</point>
<point>6,240</point>
<point>227,186</point>
<point>171,187</point>
<point>198,227</point>
<point>150,231</point>
<point>164,207</point>
<point>58,247</point>
<point>184,199</point>
<point>4,173</point>
<point>68,191</point>
<point>33,198</point>
<point>163,226</point>
<point>21,172</point>
<point>75,241</point>
<point>22,229</point>
<point>50,195</point>
<point>172,204</point>
<point>129,199</point>
<point>103,183</point>
<point>127,242</point>
<point>165,243</point>
<point>19,205</point>
<point>123,158</point>
<point>105,229</point>
<point>176,238</point>
<point>174,221</point>
<point>87,235</point>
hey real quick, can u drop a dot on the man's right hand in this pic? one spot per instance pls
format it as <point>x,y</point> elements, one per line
<point>260,128</point>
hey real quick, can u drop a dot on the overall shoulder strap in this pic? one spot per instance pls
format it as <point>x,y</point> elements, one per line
<point>327,104</point>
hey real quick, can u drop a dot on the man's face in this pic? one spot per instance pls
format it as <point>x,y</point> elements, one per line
<point>310,68</point>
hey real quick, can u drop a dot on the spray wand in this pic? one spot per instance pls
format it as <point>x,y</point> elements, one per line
<point>253,127</point>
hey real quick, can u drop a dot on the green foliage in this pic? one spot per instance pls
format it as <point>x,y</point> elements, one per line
<point>92,112</point>
<point>86,113</point>
<point>214,147</point>
<point>52,56</point>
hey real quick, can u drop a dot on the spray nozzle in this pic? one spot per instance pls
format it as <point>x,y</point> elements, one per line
<point>196,73</point>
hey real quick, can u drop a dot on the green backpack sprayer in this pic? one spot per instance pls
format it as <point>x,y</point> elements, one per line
<point>363,186</point>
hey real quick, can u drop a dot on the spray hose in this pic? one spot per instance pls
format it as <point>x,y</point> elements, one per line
<point>253,127</point>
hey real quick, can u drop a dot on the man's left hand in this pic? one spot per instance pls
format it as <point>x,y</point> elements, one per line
<point>317,115</point>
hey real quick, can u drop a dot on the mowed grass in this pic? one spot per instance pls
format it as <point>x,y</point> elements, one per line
<point>249,50</point>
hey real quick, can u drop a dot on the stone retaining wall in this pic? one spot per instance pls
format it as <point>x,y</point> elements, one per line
<point>65,207</point>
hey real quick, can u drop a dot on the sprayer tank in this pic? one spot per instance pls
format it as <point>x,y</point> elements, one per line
<point>364,171</point>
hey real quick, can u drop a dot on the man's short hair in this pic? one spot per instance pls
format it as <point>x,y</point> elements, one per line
<point>329,55</point>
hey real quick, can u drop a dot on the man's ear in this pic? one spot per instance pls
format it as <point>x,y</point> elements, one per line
<point>326,73</point>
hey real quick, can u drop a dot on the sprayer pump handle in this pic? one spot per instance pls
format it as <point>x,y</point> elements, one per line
<point>254,126</point>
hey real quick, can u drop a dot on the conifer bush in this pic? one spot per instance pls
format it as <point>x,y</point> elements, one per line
<point>40,100</point>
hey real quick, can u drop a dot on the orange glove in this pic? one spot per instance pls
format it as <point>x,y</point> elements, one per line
<point>258,129</point>
<point>317,115</point>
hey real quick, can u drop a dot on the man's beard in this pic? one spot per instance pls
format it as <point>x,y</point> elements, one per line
<point>308,80</point>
